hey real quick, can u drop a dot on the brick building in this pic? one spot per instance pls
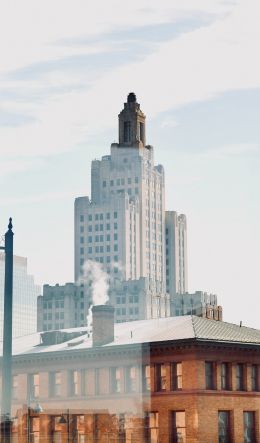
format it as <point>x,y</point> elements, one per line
<point>178,379</point>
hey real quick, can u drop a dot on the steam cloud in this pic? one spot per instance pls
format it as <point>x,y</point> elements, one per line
<point>98,280</point>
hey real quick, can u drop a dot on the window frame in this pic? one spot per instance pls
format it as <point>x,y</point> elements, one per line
<point>176,378</point>
<point>174,427</point>
<point>210,385</point>
<point>227,438</point>
<point>160,379</point>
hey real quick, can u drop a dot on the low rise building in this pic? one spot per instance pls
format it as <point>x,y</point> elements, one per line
<point>177,379</point>
<point>61,306</point>
<point>199,303</point>
<point>138,300</point>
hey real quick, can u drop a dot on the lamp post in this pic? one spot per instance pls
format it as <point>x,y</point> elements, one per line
<point>63,420</point>
<point>7,335</point>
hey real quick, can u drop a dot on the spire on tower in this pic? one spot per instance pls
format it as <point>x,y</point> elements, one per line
<point>131,124</point>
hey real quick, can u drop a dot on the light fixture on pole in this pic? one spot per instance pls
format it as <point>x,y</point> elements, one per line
<point>7,337</point>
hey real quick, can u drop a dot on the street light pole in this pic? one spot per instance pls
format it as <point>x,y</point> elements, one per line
<point>7,334</point>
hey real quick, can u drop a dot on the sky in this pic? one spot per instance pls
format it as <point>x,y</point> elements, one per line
<point>65,71</point>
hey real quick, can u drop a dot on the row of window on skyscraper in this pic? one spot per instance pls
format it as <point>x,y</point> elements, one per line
<point>120,182</point>
<point>97,228</point>
<point>100,216</point>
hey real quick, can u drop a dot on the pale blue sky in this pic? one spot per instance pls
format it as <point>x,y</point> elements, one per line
<point>65,72</point>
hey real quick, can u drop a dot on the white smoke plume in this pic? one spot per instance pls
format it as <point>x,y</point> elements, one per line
<point>98,281</point>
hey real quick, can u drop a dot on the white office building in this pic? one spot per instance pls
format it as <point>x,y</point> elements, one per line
<point>176,253</point>
<point>25,293</point>
<point>122,226</point>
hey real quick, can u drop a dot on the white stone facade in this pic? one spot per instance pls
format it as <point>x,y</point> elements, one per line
<point>176,253</point>
<point>198,303</point>
<point>122,226</point>
<point>61,307</point>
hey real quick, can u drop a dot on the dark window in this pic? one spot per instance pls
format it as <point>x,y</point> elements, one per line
<point>176,376</point>
<point>55,384</point>
<point>209,373</point>
<point>141,132</point>
<point>152,427</point>
<point>15,387</point>
<point>33,386</point>
<point>146,378</point>
<point>74,383</point>
<point>225,376</point>
<point>97,384</point>
<point>240,377</point>
<point>131,379</point>
<point>249,427</point>
<point>160,377</point>
<point>83,384</point>
<point>116,380</point>
<point>254,378</point>
<point>178,431</point>
<point>127,131</point>
<point>224,430</point>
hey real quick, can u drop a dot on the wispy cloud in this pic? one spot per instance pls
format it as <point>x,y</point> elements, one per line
<point>231,150</point>
<point>41,197</point>
<point>169,123</point>
<point>172,55</point>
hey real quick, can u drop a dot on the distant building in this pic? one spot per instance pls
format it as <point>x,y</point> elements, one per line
<point>178,379</point>
<point>61,307</point>
<point>136,300</point>
<point>122,226</point>
<point>176,253</point>
<point>25,293</point>
<point>200,304</point>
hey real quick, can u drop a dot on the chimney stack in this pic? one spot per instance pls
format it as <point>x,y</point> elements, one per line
<point>102,324</point>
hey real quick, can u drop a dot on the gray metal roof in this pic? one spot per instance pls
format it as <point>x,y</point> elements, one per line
<point>149,331</point>
<point>221,331</point>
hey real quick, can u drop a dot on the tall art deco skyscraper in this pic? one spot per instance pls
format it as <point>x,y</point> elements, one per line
<point>122,226</point>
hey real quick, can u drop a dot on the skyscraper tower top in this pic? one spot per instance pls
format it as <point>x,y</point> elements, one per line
<point>131,97</point>
<point>131,124</point>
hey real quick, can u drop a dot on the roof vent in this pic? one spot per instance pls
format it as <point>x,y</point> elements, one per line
<point>49,338</point>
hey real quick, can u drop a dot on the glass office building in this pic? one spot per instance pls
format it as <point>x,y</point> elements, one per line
<point>25,293</point>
